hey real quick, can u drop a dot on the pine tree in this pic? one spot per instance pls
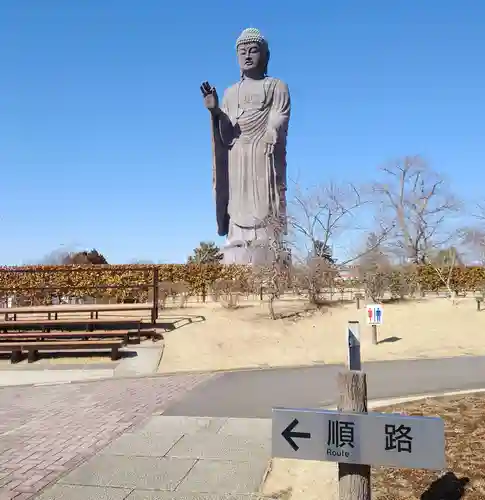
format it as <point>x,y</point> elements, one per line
<point>206,253</point>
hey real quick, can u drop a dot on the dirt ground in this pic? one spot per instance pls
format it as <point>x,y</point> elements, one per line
<point>465,454</point>
<point>211,337</point>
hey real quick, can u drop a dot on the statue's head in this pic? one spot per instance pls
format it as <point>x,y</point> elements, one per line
<point>252,52</point>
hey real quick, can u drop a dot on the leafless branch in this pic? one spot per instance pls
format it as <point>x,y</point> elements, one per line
<point>323,213</point>
<point>420,203</point>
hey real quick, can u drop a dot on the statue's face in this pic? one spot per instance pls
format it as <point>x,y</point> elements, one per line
<point>249,56</point>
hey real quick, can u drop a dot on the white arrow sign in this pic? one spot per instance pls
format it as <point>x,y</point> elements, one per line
<point>370,439</point>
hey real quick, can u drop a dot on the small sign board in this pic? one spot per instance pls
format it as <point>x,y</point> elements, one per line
<point>370,439</point>
<point>353,341</point>
<point>374,314</point>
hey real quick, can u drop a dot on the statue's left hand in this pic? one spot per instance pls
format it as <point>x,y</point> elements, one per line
<point>270,138</point>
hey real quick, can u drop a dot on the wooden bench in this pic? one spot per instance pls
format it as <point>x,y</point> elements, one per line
<point>15,350</point>
<point>33,348</point>
<point>68,335</point>
<point>79,325</point>
<point>11,313</point>
<point>71,324</point>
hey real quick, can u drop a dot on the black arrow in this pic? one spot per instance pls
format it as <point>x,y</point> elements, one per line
<point>289,435</point>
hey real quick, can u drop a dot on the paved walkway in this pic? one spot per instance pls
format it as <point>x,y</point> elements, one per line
<point>47,431</point>
<point>253,393</point>
<point>144,360</point>
<point>174,458</point>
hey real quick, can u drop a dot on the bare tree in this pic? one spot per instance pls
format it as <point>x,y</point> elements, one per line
<point>227,292</point>
<point>444,263</point>
<point>373,268</point>
<point>319,215</point>
<point>319,219</point>
<point>473,237</point>
<point>271,262</point>
<point>420,202</point>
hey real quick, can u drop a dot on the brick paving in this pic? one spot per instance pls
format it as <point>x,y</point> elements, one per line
<point>46,431</point>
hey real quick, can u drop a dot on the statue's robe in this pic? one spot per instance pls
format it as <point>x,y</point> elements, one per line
<point>249,184</point>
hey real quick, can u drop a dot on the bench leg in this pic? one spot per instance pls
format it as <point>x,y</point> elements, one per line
<point>31,355</point>
<point>126,338</point>
<point>16,356</point>
<point>115,354</point>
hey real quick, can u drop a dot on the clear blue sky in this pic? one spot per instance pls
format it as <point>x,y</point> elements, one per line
<point>104,141</point>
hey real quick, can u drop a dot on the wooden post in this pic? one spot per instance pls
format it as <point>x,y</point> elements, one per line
<point>353,342</point>
<point>358,297</point>
<point>374,334</point>
<point>354,479</point>
<point>155,296</point>
<point>479,302</point>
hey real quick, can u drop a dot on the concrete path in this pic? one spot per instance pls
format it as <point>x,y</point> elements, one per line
<point>145,361</point>
<point>47,431</point>
<point>254,393</point>
<point>174,458</point>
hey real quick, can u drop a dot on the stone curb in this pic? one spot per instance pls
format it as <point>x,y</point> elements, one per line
<point>315,364</point>
<point>379,403</point>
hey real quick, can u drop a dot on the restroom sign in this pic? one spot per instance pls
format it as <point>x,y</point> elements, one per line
<point>374,314</point>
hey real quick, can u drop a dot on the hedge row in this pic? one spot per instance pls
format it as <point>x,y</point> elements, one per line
<point>427,278</point>
<point>115,281</point>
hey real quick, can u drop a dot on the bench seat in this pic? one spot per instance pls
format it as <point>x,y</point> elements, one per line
<point>30,335</point>
<point>71,324</point>
<point>33,348</point>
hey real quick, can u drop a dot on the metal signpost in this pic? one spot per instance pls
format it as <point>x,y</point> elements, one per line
<point>353,341</point>
<point>357,438</point>
<point>353,438</point>
<point>374,318</point>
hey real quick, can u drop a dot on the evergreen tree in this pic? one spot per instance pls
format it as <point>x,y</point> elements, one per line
<point>206,253</point>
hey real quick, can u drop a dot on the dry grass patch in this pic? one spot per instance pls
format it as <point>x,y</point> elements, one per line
<point>465,453</point>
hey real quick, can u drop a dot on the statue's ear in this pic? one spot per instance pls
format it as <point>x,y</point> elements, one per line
<point>266,62</point>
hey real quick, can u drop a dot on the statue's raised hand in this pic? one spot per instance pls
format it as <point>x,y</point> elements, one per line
<point>211,100</point>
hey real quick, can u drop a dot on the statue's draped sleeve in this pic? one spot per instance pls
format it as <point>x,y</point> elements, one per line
<point>279,116</point>
<point>276,133</point>
<point>222,136</point>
